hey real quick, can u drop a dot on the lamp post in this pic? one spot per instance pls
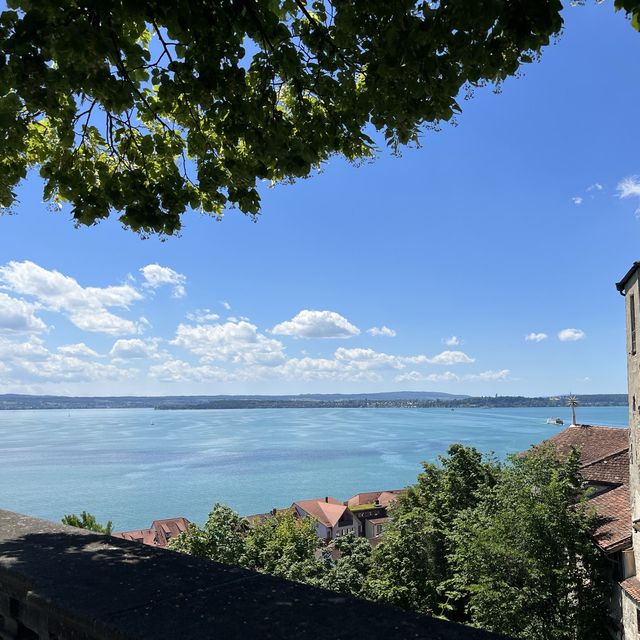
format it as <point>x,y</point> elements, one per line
<point>573,403</point>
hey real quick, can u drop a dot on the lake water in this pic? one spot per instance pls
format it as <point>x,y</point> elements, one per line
<point>135,465</point>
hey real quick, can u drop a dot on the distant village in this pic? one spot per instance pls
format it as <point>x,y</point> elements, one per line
<point>400,399</point>
<point>362,515</point>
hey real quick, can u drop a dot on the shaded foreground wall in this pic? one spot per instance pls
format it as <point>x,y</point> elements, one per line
<point>58,583</point>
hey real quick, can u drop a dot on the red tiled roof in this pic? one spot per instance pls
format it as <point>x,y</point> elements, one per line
<point>604,461</point>
<point>614,509</point>
<point>631,587</point>
<point>594,442</point>
<point>384,497</point>
<point>160,532</point>
<point>325,510</point>
<point>145,536</point>
<point>612,469</point>
<point>168,528</point>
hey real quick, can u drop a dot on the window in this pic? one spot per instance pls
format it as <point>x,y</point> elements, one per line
<point>632,322</point>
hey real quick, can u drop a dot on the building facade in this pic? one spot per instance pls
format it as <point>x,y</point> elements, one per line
<point>629,287</point>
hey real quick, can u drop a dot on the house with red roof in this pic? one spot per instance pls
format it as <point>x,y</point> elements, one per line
<point>158,534</point>
<point>370,511</point>
<point>332,517</point>
<point>355,516</point>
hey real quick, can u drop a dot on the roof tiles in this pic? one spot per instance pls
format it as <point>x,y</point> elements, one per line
<point>604,461</point>
<point>158,534</point>
<point>614,509</point>
<point>327,511</point>
<point>594,442</point>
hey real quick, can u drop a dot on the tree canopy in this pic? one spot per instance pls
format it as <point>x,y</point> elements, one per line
<point>151,108</point>
<point>87,521</point>
<point>502,546</point>
<point>523,559</point>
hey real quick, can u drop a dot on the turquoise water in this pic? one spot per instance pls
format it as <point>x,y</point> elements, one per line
<point>136,465</point>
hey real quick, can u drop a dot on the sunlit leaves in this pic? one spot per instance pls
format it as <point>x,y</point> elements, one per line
<point>153,109</point>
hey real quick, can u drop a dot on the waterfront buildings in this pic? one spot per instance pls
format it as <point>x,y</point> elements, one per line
<point>158,534</point>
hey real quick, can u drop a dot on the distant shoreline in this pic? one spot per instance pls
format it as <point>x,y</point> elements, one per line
<point>416,400</point>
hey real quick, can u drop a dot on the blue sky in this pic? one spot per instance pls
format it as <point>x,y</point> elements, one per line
<point>510,224</point>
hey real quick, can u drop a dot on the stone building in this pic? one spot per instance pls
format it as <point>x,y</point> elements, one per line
<point>629,287</point>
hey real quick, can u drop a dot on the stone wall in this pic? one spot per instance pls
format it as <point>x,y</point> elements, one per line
<point>633,386</point>
<point>61,583</point>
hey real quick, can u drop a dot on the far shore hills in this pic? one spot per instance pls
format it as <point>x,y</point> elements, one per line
<point>391,399</point>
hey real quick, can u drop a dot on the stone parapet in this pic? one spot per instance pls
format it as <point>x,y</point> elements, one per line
<point>59,583</point>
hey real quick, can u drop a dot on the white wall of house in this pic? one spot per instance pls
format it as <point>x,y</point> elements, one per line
<point>629,629</point>
<point>343,531</point>
<point>373,530</point>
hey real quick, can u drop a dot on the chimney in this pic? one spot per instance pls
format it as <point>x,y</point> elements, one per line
<point>326,499</point>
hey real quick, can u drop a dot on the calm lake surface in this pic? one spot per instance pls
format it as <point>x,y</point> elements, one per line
<point>135,465</point>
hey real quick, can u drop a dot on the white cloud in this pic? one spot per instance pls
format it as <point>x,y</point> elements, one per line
<point>79,350</point>
<point>359,364</point>
<point>577,200</point>
<point>365,359</point>
<point>60,368</point>
<point>201,316</point>
<point>381,331</point>
<point>156,276</point>
<point>629,188</point>
<point>134,349</point>
<point>225,304</point>
<point>32,349</point>
<point>238,342</point>
<point>369,359</point>
<point>571,335</point>
<point>174,370</point>
<point>535,337</point>
<point>596,186</point>
<point>316,324</point>
<point>18,316</point>
<point>417,376</point>
<point>487,376</point>
<point>446,357</point>
<point>324,369</point>
<point>452,341</point>
<point>449,376</point>
<point>86,307</point>
<point>30,361</point>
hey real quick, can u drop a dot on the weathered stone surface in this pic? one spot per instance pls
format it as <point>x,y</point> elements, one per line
<point>65,583</point>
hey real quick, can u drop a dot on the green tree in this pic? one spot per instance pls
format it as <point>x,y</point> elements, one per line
<point>221,538</point>
<point>349,572</point>
<point>407,565</point>
<point>151,108</point>
<point>286,546</point>
<point>87,521</point>
<point>523,557</point>
<point>410,565</point>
